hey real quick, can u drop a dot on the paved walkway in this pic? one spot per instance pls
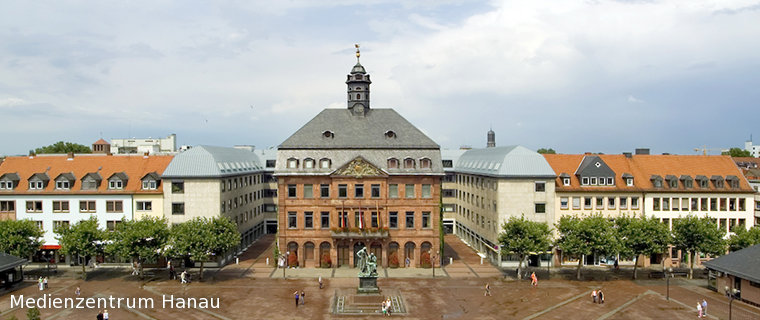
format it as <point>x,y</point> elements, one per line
<point>466,261</point>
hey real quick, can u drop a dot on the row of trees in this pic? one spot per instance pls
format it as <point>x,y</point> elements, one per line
<point>149,238</point>
<point>626,236</point>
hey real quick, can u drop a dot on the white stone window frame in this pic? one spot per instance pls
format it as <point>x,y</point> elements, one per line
<point>584,181</point>
<point>324,163</point>
<point>292,163</point>
<point>36,185</point>
<point>308,163</point>
<point>150,184</point>
<point>566,181</point>
<point>115,184</point>
<point>629,182</point>
<point>62,185</point>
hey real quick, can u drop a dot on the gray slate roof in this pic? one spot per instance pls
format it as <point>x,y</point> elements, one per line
<point>453,155</point>
<point>743,263</point>
<point>8,261</point>
<point>507,161</point>
<point>11,176</point>
<point>212,161</point>
<point>358,132</point>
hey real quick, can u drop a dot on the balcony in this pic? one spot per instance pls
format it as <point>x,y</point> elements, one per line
<point>356,233</point>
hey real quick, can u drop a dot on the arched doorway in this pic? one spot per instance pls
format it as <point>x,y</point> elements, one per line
<point>324,255</point>
<point>357,246</point>
<point>409,254</point>
<point>393,255</point>
<point>343,253</point>
<point>292,254</point>
<point>308,254</point>
<point>426,254</point>
<point>376,248</point>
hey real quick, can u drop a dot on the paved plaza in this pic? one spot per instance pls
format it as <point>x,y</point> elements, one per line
<point>253,290</point>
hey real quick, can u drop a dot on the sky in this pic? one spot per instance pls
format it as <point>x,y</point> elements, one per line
<point>575,76</point>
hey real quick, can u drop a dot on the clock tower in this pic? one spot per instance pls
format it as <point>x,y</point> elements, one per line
<point>358,88</point>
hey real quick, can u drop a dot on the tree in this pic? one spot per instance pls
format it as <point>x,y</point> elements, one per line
<point>201,239</point>
<point>63,147</point>
<point>21,238</point>
<point>33,314</point>
<point>693,234</point>
<point>140,239</point>
<point>590,235</point>
<point>642,236</point>
<point>83,239</point>
<point>743,238</point>
<point>736,152</point>
<point>521,236</point>
<point>546,151</point>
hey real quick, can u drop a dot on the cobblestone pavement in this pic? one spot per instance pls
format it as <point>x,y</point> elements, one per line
<point>253,290</point>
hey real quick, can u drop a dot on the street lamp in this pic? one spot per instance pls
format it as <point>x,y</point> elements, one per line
<point>732,294</point>
<point>432,262</point>
<point>668,274</point>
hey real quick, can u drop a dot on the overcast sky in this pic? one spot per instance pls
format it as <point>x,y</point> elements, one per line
<point>577,76</point>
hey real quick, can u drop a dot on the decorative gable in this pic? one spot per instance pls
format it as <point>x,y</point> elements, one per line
<point>359,168</point>
<point>9,181</point>
<point>117,181</point>
<point>594,171</point>
<point>64,181</point>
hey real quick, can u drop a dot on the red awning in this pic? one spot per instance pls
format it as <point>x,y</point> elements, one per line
<point>50,247</point>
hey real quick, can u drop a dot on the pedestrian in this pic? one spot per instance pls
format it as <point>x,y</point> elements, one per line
<point>78,291</point>
<point>407,262</point>
<point>388,306</point>
<point>45,281</point>
<point>533,279</point>
<point>593,295</point>
<point>100,315</point>
<point>617,266</point>
<point>601,296</point>
<point>488,290</point>
<point>40,285</point>
<point>105,315</point>
<point>699,310</point>
<point>384,308</point>
<point>295,294</point>
<point>320,282</point>
<point>183,276</point>
<point>303,297</point>
<point>704,307</point>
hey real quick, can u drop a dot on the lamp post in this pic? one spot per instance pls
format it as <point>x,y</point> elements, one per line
<point>668,274</point>
<point>284,262</point>
<point>432,262</point>
<point>732,295</point>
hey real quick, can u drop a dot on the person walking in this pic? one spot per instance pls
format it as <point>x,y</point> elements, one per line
<point>320,282</point>
<point>105,315</point>
<point>388,306</point>
<point>704,307</point>
<point>303,298</point>
<point>297,296</point>
<point>533,279</point>
<point>78,291</point>
<point>488,290</point>
<point>45,282</point>
<point>601,296</point>
<point>699,309</point>
<point>40,285</point>
<point>593,295</point>
<point>100,315</point>
<point>407,262</point>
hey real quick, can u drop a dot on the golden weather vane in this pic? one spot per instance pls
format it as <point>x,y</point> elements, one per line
<point>357,52</point>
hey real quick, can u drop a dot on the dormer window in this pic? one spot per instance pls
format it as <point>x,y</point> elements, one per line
<point>117,181</point>
<point>425,163</point>
<point>717,181</point>
<point>602,181</point>
<point>392,163</point>
<point>292,163</point>
<point>150,181</point>
<point>308,163</point>
<point>733,181</point>
<point>62,185</point>
<point>610,181</point>
<point>593,181</point>
<point>390,134</point>
<point>566,181</point>
<point>629,182</point>
<point>38,181</point>
<point>687,181</point>
<point>657,181</point>
<point>64,181</point>
<point>115,184</point>
<point>672,181</point>
<point>324,163</point>
<point>408,163</point>
<point>584,181</point>
<point>328,134</point>
<point>35,185</point>
<point>6,185</point>
<point>9,181</point>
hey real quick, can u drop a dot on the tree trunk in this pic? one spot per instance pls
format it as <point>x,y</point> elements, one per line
<point>519,267</point>
<point>635,266</point>
<point>691,263</point>
<point>84,276</point>
<point>140,265</point>
<point>578,271</point>
<point>200,276</point>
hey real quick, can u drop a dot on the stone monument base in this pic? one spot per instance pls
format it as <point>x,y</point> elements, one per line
<point>368,285</point>
<point>347,302</point>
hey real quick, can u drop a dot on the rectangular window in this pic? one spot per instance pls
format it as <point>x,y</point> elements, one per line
<point>324,220</point>
<point>675,204</point>
<point>60,224</point>
<point>150,185</point>
<point>114,206</point>
<point>576,203</point>
<point>540,207</point>
<point>563,203</point>
<point>60,206</point>
<point>656,204</point>
<point>308,220</point>
<point>343,219</point>
<point>426,220</point>
<point>584,181</point>
<point>178,187</point>
<point>393,191</point>
<point>178,208</point>
<point>8,206</point>
<point>409,191</point>
<point>742,204</point>
<point>665,204</point>
<point>586,203</point>
<point>623,202</point>
<point>540,186</point>
<point>63,185</point>
<point>685,204</point>
<point>86,206</point>
<point>144,206</point>
<point>112,225</point>
<point>324,190</point>
<point>409,220</point>
<point>713,204</point>
<point>374,220</point>
<point>599,203</point>
<point>292,224</point>
<point>593,181</point>
<point>308,191</point>
<point>358,191</point>
<point>703,204</point>
<point>342,190</point>
<point>393,220</point>
<point>722,204</point>
<point>610,181</point>
<point>115,184</point>
<point>375,191</point>
<point>611,203</point>
<point>731,204</point>
<point>34,206</point>
<point>634,202</point>
<point>426,191</point>
<point>291,191</point>
<point>34,185</point>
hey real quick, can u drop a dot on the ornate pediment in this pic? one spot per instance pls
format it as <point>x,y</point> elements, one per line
<point>359,168</point>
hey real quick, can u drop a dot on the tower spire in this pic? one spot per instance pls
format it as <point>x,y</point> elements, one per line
<point>358,87</point>
<point>358,54</point>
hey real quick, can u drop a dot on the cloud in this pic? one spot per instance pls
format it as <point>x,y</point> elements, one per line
<point>633,99</point>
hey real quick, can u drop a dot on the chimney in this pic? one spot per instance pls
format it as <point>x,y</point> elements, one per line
<point>31,154</point>
<point>642,151</point>
<point>70,156</point>
<point>491,143</point>
<point>145,155</point>
<point>627,154</point>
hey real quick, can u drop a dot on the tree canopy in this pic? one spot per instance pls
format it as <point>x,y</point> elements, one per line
<point>21,238</point>
<point>737,152</point>
<point>546,151</point>
<point>520,236</point>
<point>642,236</point>
<point>693,234</point>
<point>83,239</point>
<point>589,235</point>
<point>139,239</point>
<point>63,147</point>
<point>201,238</point>
<point>743,238</point>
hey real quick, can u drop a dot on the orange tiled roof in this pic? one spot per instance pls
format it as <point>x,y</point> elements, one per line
<point>135,167</point>
<point>643,167</point>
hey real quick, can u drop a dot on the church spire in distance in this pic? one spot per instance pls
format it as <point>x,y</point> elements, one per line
<point>358,88</point>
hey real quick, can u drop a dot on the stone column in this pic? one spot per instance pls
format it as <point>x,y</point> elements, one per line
<point>384,258</point>
<point>334,254</point>
<point>351,254</point>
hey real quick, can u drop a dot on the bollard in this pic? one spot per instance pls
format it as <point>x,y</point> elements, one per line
<point>267,261</point>
<point>451,260</point>
<point>237,260</point>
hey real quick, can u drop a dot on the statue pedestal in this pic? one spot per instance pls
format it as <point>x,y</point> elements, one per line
<point>368,285</point>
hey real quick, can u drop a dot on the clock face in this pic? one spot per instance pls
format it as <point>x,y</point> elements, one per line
<point>359,109</point>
